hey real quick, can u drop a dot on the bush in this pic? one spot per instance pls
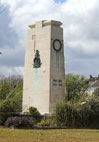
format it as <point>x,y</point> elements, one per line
<point>7,109</point>
<point>82,119</point>
<point>3,117</point>
<point>10,99</point>
<point>94,113</point>
<point>44,123</point>
<point>35,113</point>
<point>18,122</point>
<point>64,114</point>
<point>83,116</point>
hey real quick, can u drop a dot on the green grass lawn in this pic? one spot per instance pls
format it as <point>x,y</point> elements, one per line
<point>62,135</point>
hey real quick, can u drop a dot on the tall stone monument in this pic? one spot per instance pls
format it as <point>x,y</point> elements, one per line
<point>44,73</point>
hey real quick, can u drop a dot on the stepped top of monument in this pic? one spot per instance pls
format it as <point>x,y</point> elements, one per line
<point>45,23</point>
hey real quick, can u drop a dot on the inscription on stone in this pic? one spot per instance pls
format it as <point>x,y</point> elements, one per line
<point>57,82</point>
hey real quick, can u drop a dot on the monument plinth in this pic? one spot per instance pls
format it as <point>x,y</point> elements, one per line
<point>44,72</point>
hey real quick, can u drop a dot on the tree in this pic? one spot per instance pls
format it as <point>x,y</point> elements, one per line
<point>5,88</point>
<point>76,86</point>
<point>10,99</point>
<point>96,92</point>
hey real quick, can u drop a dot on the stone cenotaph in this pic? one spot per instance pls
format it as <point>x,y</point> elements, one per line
<point>44,72</point>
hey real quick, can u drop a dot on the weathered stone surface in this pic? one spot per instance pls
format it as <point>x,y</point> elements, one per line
<point>44,86</point>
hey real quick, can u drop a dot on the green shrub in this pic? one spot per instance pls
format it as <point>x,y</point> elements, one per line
<point>44,123</point>
<point>73,115</point>
<point>19,122</point>
<point>83,115</point>
<point>10,99</point>
<point>94,111</point>
<point>35,113</point>
<point>64,114</point>
<point>3,117</point>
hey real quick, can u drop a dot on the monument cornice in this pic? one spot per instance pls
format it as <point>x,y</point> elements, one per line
<point>47,23</point>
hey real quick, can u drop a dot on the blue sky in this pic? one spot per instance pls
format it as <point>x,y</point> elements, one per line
<point>81,34</point>
<point>60,1</point>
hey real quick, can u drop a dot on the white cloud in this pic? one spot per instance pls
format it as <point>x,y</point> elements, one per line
<point>79,17</point>
<point>11,71</point>
<point>76,15</point>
